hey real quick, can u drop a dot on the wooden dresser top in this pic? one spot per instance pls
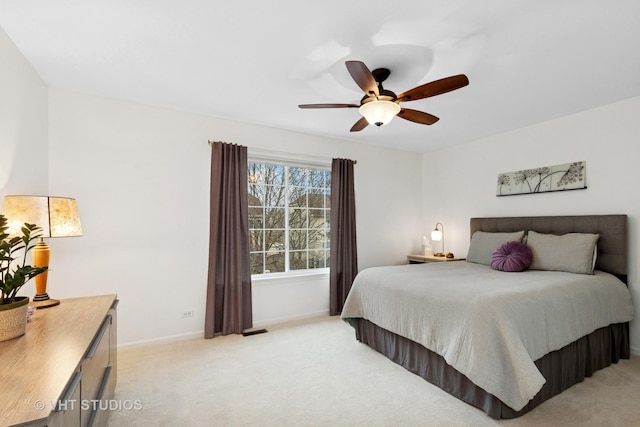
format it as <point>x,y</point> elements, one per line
<point>36,367</point>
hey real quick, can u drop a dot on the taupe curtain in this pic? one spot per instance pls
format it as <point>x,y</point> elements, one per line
<point>228,304</point>
<point>344,260</point>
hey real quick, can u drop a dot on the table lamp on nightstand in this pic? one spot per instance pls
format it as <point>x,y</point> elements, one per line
<point>58,217</point>
<point>438,235</point>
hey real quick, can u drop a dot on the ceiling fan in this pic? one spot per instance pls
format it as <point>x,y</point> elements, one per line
<point>379,105</point>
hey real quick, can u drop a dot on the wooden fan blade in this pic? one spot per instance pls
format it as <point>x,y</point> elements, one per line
<point>434,88</point>
<point>328,106</point>
<point>363,77</point>
<point>360,124</point>
<point>417,116</point>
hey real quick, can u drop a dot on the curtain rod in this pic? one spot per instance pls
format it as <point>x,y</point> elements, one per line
<point>264,152</point>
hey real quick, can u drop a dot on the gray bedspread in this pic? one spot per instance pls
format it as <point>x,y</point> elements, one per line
<point>489,325</point>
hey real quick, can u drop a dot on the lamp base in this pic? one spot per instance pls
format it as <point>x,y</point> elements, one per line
<point>43,301</point>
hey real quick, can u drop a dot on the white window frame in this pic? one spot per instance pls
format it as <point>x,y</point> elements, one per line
<point>291,160</point>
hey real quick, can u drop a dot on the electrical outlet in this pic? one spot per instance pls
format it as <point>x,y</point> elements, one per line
<point>185,314</point>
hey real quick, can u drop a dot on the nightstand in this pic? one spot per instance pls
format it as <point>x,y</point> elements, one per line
<point>419,259</point>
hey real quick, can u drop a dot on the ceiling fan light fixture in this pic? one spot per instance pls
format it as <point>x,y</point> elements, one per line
<point>379,112</point>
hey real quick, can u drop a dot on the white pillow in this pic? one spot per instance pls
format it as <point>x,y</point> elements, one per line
<point>571,252</point>
<point>483,244</point>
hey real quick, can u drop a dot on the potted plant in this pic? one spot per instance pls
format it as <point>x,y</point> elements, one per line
<point>14,274</point>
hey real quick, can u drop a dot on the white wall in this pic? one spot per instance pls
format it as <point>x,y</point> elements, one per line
<point>23,128</point>
<point>607,138</point>
<point>141,179</point>
<point>23,124</point>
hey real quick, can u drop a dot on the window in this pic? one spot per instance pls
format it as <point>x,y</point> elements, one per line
<point>289,220</point>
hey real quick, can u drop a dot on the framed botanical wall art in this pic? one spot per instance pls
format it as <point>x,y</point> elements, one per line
<point>569,176</point>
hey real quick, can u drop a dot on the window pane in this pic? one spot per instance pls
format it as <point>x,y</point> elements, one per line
<point>274,262</point>
<point>256,218</point>
<point>318,199</point>
<point>257,263</point>
<point>273,240</point>
<point>297,239</point>
<point>327,198</point>
<point>317,178</point>
<point>274,218</point>
<point>298,218</point>
<point>316,218</point>
<point>298,176</point>
<point>316,239</point>
<point>266,195</point>
<point>256,240</point>
<point>298,197</point>
<point>317,259</point>
<point>255,195</point>
<point>273,195</point>
<point>265,173</point>
<point>298,260</point>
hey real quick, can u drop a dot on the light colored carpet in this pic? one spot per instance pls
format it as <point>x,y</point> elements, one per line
<point>315,373</point>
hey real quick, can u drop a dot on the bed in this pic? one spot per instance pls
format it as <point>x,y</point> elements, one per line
<point>501,341</point>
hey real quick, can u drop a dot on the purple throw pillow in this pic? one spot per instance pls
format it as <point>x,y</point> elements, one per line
<point>511,256</point>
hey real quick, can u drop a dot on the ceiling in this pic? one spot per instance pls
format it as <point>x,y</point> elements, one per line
<point>255,61</point>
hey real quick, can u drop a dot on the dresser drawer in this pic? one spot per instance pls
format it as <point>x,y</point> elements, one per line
<point>100,411</point>
<point>94,369</point>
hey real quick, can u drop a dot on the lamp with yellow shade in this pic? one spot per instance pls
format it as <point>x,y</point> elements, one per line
<point>57,216</point>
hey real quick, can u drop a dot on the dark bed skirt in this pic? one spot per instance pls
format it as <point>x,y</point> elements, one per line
<point>562,368</point>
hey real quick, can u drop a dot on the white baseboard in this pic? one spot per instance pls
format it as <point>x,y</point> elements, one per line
<point>162,340</point>
<point>200,333</point>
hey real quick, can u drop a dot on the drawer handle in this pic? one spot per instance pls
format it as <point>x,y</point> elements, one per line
<point>96,341</point>
<point>103,387</point>
<point>70,390</point>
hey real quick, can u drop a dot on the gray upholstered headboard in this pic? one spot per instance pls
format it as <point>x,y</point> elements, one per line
<point>612,244</point>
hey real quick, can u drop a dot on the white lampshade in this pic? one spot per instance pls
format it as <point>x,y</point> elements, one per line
<point>436,235</point>
<point>379,112</point>
<point>57,216</point>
